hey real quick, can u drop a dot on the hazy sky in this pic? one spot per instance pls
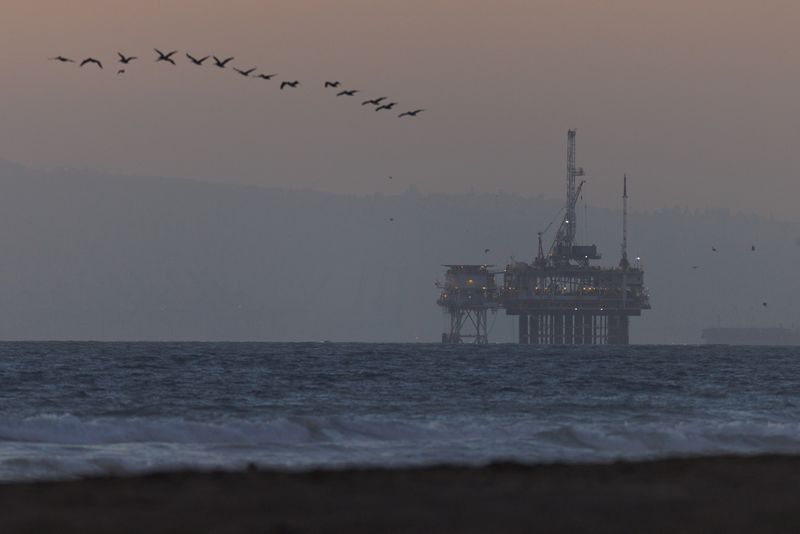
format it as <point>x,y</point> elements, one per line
<point>696,100</point>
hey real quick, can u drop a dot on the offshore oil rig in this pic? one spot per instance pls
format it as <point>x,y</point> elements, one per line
<point>560,298</point>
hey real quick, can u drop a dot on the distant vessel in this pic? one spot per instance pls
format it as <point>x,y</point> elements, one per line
<point>751,336</point>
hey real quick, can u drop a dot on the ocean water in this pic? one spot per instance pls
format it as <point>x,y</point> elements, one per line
<point>74,409</point>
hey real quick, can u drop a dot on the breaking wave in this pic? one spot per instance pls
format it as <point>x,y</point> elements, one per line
<point>63,446</point>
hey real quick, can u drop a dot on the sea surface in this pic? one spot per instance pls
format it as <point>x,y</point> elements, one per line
<point>74,409</point>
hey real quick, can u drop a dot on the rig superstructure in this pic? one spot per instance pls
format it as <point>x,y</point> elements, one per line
<point>560,298</point>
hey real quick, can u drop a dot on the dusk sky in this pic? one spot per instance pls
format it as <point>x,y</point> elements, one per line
<point>696,101</point>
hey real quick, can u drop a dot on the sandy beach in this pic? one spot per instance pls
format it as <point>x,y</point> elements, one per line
<point>720,494</point>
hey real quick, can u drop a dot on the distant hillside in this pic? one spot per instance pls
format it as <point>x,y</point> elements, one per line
<point>94,256</point>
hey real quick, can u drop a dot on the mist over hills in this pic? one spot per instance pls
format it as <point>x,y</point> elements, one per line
<point>87,255</point>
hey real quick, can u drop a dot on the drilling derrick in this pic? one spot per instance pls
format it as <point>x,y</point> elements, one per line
<point>564,248</point>
<point>565,238</point>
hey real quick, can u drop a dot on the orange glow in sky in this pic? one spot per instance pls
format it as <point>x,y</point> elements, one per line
<point>696,101</point>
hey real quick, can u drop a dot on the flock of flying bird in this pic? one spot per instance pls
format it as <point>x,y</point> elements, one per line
<point>379,104</point>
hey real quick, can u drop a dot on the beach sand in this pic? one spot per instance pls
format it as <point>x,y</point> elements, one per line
<point>720,494</point>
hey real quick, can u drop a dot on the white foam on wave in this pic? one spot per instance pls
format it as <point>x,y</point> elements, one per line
<point>62,446</point>
<point>68,429</point>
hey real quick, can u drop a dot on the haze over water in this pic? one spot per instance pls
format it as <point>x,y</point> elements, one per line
<point>695,102</point>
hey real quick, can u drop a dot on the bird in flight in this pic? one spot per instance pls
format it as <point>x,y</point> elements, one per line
<point>245,73</point>
<point>125,59</point>
<point>221,62</point>
<point>487,250</point>
<point>390,105</point>
<point>390,177</point>
<point>391,219</point>
<point>198,62</point>
<point>293,84</point>
<point>121,71</point>
<point>764,304</point>
<point>713,249</point>
<point>410,113</point>
<point>374,101</point>
<point>753,248</point>
<point>62,59</point>
<point>332,84</point>
<point>350,92</point>
<point>266,76</point>
<point>165,57</point>
<point>91,60</point>
<point>695,266</point>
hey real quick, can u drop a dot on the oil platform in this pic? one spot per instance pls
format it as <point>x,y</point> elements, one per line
<point>560,298</point>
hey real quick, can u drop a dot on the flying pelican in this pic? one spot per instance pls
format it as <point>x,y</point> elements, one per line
<point>266,76</point>
<point>293,84</point>
<point>390,105</point>
<point>245,73</point>
<point>125,60</point>
<point>165,57</point>
<point>198,62</point>
<point>332,84</point>
<point>221,62</point>
<point>351,92</point>
<point>62,59</point>
<point>374,102</point>
<point>91,60</point>
<point>410,113</point>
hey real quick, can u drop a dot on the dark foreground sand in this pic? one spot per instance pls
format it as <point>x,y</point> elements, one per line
<point>727,494</point>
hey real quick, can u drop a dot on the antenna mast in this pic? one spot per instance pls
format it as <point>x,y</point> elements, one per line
<point>623,262</point>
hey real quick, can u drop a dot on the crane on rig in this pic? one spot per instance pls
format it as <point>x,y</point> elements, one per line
<point>565,236</point>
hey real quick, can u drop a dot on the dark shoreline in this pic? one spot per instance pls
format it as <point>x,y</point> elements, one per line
<point>711,494</point>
